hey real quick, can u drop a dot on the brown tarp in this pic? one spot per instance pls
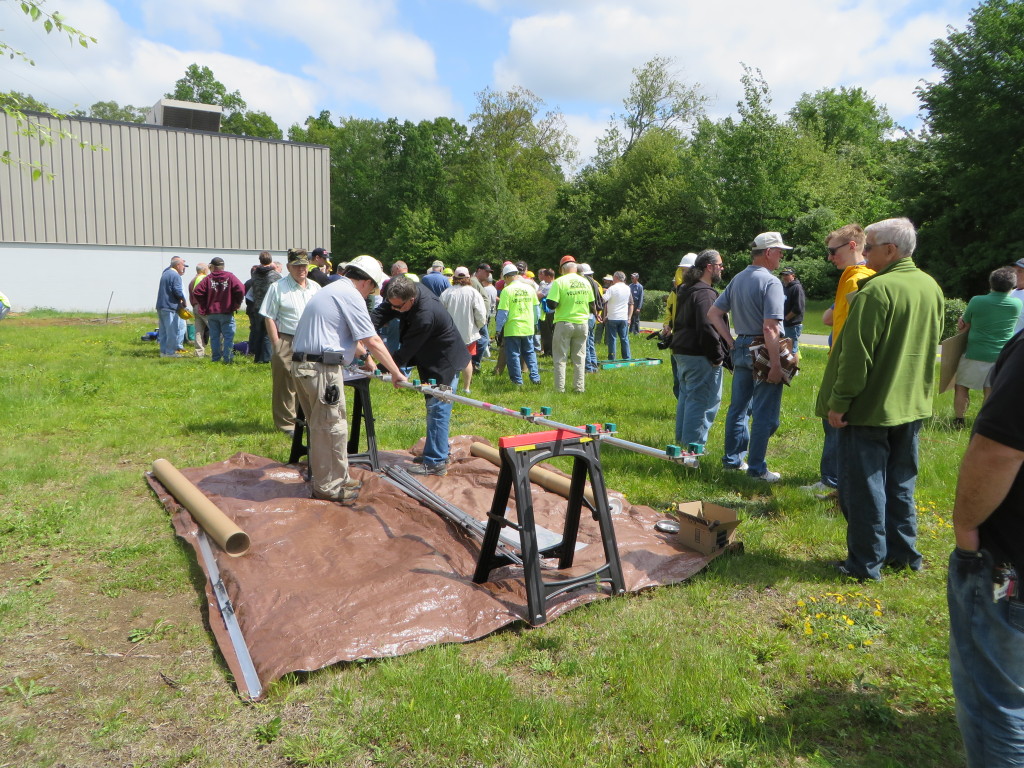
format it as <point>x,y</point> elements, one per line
<point>323,583</point>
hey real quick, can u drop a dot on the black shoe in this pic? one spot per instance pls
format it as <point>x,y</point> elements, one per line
<point>417,459</point>
<point>842,570</point>
<point>959,424</point>
<point>425,469</point>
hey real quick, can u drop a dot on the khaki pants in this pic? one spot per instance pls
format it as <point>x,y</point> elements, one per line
<point>200,323</point>
<point>284,383</point>
<point>321,392</point>
<point>570,343</point>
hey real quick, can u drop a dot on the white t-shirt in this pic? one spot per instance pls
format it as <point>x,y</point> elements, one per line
<point>616,302</point>
<point>1018,294</point>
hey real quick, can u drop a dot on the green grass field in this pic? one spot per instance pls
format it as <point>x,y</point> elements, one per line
<point>764,659</point>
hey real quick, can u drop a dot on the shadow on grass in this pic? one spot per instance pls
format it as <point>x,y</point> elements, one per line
<point>226,427</point>
<point>861,728</point>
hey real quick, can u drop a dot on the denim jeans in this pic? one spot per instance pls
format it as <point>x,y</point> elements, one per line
<point>222,337</point>
<point>616,330</point>
<point>986,663</point>
<point>591,364</point>
<point>700,383</point>
<point>259,341</point>
<point>389,335</point>
<point>439,414</point>
<point>169,332</point>
<point>516,346</point>
<point>762,400</point>
<point>829,466</point>
<point>793,332</point>
<point>877,475</point>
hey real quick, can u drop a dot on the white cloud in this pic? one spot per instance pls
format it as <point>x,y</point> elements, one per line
<point>587,52</point>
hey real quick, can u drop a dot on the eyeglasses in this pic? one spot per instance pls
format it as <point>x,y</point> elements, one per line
<point>833,251</point>
<point>869,246</point>
<point>399,305</point>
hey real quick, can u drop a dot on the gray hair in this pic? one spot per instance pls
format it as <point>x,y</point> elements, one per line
<point>1003,280</point>
<point>620,276</point>
<point>176,260</point>
<point>569,267</point>
<point>899,232</point>
<point>202,268</point>
<point>401,287</point>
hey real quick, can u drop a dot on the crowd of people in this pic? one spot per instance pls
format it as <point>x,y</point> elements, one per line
<point>875,394</point>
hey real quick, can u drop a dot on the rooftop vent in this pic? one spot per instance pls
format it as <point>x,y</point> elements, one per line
<point>185,114</point>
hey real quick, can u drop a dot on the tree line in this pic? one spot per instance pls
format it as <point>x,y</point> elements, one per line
<point>667,179</point>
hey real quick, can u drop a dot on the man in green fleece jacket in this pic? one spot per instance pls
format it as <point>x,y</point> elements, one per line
<point>877,391</point>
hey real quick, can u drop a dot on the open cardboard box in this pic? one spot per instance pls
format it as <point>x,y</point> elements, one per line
<point>705,527</point>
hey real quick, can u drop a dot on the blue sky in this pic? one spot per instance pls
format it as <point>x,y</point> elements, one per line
<point>417,59</point>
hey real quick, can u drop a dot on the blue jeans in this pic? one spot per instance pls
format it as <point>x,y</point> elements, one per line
<point>793,332</point>
<point>169,331</point>
<point>614,331</point>
<point>700,383</point>
<point>439,414</point>
<point>877,475</point>
<point>222,337</point>
<point>516,346</point>
<point>389,335</point>
<point>591,364</point>
<point>829,466</point>
<point>986,663</point>
<point>762,400</point>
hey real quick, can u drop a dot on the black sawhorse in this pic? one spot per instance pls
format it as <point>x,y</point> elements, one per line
<point>362,411</point>
<point>518,455</point>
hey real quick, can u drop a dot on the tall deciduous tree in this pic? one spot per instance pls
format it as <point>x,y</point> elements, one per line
<point>974,149</point>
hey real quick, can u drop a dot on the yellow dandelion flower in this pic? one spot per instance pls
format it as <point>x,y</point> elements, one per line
<point>808,631</point>
<point>850,646</point>
<point>869,642</point>
<point>878,613</point>
<point>850,622</point>
<point>819,615</point>
<point>801,603</point>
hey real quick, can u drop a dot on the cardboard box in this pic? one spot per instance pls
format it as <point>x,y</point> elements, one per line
<point>705,527</point>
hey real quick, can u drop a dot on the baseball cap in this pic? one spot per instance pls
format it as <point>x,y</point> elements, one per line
<point>509,269</point>
<point>462,272</point>
<point>565,259</point>
<point>484,265</point>
<point>1019,263</point>
<point>320,252</point>
<point>438,264</point>
<point>216,261</point>
<point>585,269</point>
<point>688,260</point>
<point>635,274</point>
<point>301,260</point>
<point>447,271</point>
<point>371,267</point>
<point>769,240</point>
<point>788,271</point>
<point>607,278</point>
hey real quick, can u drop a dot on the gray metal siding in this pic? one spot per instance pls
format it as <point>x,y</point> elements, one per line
<point>160,187</point>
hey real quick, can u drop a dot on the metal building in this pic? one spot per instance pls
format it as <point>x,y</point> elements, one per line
<point>126,197</point>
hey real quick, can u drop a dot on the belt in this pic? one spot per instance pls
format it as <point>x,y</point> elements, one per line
<point>305,357</point>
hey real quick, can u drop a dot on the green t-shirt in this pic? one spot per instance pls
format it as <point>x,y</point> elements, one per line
<point>518,299</point>
<point>574,296</point>
<point>992,318</point>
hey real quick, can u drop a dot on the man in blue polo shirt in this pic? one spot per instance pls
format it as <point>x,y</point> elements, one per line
<point>755,299</point>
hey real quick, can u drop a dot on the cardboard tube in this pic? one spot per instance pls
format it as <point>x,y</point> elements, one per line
<point>218,527</point>
<point>542,477</point>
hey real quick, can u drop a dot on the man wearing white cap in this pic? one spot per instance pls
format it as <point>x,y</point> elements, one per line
<point>756,300</point>
<point>334,330</point>
<point>517,316</point>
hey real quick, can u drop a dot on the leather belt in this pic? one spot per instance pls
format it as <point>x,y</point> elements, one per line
<point>305,357</point>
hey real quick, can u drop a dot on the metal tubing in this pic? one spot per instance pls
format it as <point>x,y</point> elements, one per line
<point>448,396</point>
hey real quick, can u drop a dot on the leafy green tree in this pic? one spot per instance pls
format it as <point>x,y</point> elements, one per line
<point>111,110</point>
<point>255,123</point>
<point>847,117</point>
<point>15,104</point>
<point>972,156</point>
<point>657,99</point>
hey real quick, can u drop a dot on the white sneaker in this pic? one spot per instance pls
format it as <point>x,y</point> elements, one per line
<point>691,461</point>
<point>743,467</point>
<point>769,476</point>
<point>820,490</point>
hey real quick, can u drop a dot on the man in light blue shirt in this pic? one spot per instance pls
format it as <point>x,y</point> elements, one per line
<point>755,299</point>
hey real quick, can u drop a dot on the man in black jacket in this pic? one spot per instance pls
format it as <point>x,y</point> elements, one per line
<point>431,342</point>
<point>793,320</point>
<point>699,352</point>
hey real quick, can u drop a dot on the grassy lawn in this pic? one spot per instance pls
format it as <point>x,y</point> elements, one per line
<point>764,659</point>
